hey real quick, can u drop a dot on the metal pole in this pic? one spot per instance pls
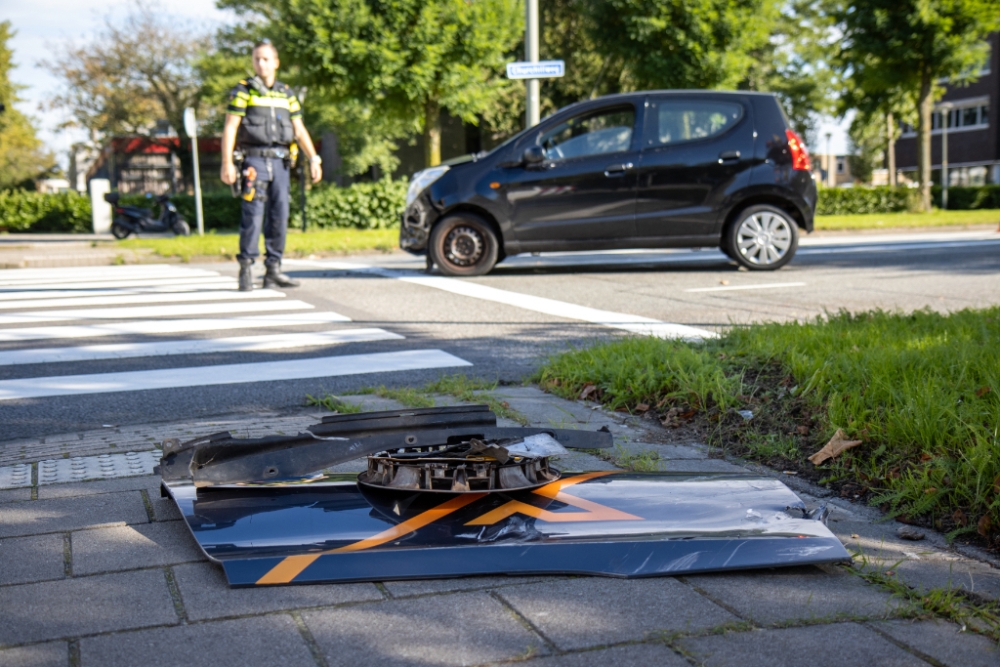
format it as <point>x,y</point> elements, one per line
<point>302,190</point>
<point>829,162</point>
<point>945,118</point>
<point>531,55</point>
<point>197,181</point>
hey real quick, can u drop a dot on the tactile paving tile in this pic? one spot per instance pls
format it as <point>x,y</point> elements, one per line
<point>15,477</point>
<point>105,466</point>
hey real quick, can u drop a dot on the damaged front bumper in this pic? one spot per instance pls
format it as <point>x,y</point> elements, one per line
<point>271,513</point>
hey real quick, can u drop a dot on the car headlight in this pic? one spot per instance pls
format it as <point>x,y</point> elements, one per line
<point>422,179</point>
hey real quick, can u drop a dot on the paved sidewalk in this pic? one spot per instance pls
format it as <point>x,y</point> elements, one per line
<point>104,573</point>
<point>19,251</point>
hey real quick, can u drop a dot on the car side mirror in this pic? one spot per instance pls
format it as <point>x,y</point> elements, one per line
<point>533,155</point>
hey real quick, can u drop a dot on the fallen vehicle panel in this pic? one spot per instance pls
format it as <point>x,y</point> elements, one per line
<point>332,529</point>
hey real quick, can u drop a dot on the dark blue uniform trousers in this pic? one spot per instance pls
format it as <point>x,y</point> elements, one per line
<point>271,195</point>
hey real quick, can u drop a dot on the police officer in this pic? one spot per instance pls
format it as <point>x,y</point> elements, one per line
<point>262,120</point>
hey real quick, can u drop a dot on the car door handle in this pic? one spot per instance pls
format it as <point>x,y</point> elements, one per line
<point>615,170</point>
<point>728,156</point>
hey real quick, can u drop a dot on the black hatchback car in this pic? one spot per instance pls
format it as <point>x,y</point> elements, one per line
<point>658,169</point>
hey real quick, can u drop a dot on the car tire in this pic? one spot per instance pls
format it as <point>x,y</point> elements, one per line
<point>120,231</point>
<point>464,245</point>
<point>761,238</point>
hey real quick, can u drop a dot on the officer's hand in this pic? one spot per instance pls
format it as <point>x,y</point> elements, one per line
<point>228,173</point>
<point>317,172</point>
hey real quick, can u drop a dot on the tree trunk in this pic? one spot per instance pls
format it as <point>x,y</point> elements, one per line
<point>432,133</point>
<point>925,105</point>
<point>890,133</point>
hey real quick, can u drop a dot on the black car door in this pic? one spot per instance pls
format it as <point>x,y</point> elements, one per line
<point>696,149</point>
<point>584,190</point>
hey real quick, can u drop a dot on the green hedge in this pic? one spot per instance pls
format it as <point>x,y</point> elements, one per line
<point>968,199</point>
<point>361,206</point>
<point>852,201</point>
<point>29,211</point>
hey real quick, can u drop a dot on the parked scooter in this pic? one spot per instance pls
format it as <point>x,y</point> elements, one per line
<point>134,219</point>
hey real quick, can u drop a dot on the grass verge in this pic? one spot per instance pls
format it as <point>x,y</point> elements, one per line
<point>921,392</point>
<point>223,245</point>
<point>936,218</point>
<point>462,387</point>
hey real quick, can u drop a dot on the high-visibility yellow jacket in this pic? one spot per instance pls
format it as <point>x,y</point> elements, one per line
<point>267,113</point>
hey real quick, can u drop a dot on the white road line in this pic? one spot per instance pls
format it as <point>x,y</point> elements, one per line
<point>283,341</point>
<point>14,277</point>
<point>300,369</point>
<point>117,284</point>
<point>635,323</point>
<point>148,298</point>
<point>143,312</point>
<point>68,291</point>
<point>161,327</point>
<point>732,288</point>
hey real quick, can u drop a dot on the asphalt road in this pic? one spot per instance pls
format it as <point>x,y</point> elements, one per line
<point>505,323</point>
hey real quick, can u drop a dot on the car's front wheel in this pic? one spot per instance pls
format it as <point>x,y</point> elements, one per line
<point>762,238</point>
<point>464,245</point>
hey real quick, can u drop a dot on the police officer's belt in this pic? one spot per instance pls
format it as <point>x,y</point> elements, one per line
<point>251,151</point>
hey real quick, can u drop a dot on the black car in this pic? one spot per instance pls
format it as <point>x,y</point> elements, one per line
<point>659,169</point>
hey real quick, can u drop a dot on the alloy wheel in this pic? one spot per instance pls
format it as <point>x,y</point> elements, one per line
<point>764,238</point>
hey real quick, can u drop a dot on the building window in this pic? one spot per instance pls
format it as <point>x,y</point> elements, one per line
<point>840,165</point>
<point>974,116</point>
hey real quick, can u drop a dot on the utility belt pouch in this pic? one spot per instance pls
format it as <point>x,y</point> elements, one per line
<point>236,187</point>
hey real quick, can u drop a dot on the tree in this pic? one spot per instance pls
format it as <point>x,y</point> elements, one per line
<point>132,75</point>
<point>907,46</point>
<point>21,157</point>
<point>683,43</point>
<point>406,60</point>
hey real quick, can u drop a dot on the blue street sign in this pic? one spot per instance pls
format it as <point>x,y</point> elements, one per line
<point>545,69</point>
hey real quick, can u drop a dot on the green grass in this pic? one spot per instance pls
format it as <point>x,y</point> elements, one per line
<point>226,245</point>
<point>333,404</point>
<point>921,390</point>
<point>937,218</point>
<point>408,396</point>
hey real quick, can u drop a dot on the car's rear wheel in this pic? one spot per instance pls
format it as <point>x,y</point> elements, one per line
<point>762,238</point>
<point>464,245</point>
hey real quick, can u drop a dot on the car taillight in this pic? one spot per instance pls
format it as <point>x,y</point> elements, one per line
<point>797,147</point>
<point>119,210</point>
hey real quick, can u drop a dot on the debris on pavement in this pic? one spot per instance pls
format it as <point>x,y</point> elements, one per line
<point>910,533</point>
<point>837,445</point>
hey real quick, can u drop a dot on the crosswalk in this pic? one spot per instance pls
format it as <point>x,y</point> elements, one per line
<point>49,316</point>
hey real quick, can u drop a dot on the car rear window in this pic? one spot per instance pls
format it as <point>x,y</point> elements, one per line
<point>677,121</point>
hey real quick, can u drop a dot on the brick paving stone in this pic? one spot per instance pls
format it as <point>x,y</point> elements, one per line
<point>36,558</point>
<point>63,514</point>
<point>206,594</point>
<point>638,655</point>
<point>944,642</point>
<point>430,586</point>
<point>72,607</point>
<point>164,509</point>
<point>133,547</point>
<point>148,482</point>
<point>52,654</point>
<point>831,645</point>
<point>458,629</point>
<point>796,594</point>
<point>266,641</point>
<point>585,612</point>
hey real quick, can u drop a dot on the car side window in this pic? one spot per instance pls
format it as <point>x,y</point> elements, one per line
<point>676,121</point>
<point>605,131</point>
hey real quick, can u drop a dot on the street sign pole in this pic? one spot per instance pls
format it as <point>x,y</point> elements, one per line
<point>945,119</point>
<point>531,55</point>
<point>191,127</point>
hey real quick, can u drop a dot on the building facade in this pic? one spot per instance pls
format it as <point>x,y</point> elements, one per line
<point>973,139</point>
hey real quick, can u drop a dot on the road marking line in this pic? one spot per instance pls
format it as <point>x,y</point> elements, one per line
<point>13,277</point>
<point>732,288</point>
<point>141,312</point>
<point>117,284</point>
<point>635,323</point>
<point>266,371</point>
<point>283,341</point>
<point>157,327</point>
<point>32,294</point>
<point>147,298</point>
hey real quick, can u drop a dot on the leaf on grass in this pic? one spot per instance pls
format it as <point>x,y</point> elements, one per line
<point>642,407</point>
<point>984,525</point>
<point>982,391</point>
<point>960,518</point>
<point>587,391</point>
<point>837,445</point>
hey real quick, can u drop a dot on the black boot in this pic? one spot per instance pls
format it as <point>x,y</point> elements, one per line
<point>275,278</point>
<point>246,275</point>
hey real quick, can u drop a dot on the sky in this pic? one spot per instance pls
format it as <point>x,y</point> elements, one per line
<point>44,25</point>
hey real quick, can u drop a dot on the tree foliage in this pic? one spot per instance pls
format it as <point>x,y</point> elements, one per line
<point>21,156</point>
<point>896,49</point>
